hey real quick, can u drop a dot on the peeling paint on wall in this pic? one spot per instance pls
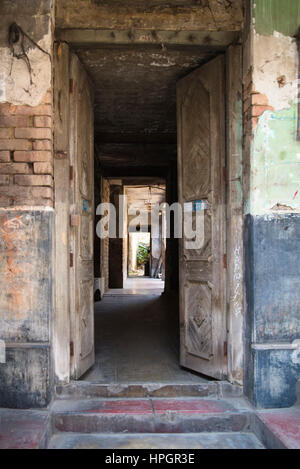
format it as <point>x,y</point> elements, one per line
<point>275,152</point>
<point>275,172</point>
<point>276,57</point>
<point>21,86</point>
<point>25,67</point>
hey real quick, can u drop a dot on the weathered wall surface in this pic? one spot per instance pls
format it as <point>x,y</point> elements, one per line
<point>25,306</point>
<point>272,203</point>
<point>26,201</point>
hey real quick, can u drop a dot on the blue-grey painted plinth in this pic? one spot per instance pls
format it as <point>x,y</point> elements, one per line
<point>272,276</point>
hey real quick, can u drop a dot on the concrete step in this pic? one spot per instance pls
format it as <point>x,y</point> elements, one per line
<point>24,429</point>
<point>280,426</point>
<point>84,390</point>
<point>156,441</point>
<point>185,415</point>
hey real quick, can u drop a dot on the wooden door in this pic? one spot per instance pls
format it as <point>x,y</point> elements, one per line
<point>201,164</point>
<point>82,225</point>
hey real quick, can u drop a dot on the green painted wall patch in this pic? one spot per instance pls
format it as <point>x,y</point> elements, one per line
<point>277,15</point>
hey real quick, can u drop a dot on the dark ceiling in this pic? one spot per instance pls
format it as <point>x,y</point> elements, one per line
<point>135,90</point>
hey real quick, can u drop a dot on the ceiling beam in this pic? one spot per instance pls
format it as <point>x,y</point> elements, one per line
<point>98,37</point>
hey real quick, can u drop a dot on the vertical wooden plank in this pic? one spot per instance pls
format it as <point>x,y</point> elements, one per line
<point>62,212</point>
<point>235,257</point>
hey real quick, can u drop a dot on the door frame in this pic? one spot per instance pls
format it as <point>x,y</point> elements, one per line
<point>234,209</point>
<point>235,200</point>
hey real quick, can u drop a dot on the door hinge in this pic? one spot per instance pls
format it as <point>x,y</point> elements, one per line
<point>71,259</point>
<point>72,349</point>
<point>225,349</point>
<point>225,261</point>
<point>71,173</point>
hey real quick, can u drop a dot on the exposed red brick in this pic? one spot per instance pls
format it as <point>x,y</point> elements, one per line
<point>5,133</point>
<point>42,121</point>
<point>4,180</point>
<point>259,99</point>
<point>32,202</point>
<point>43,168</point>
<point>15,191</point>
<point>26,137</point>
<point>33,133</point>
<point>47,99</point>
<point>42,192</point>
<point>259,110</point>
<point>14,168</point>
<point>33,156</point>
<point>42,145</point>
<point>41,110</point>
<point>15,144</point>
<point>13,121</point>
<point>5,201</point>
<point>20,194</point>
<point>4,156</point>
<point>33,180</point>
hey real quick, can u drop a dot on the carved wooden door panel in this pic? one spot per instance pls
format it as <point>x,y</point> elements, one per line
<point>82,226</point>
<point>201,162</point>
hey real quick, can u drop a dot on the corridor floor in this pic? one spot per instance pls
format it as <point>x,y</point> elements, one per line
<point>136,340</point>
<point>139,286</point>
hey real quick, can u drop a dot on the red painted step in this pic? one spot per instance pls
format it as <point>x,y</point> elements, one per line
<point>149,415</point>
<point>122,406</point>
<point>190,406</point>
<point>284,424</point>
<point>23,429</point>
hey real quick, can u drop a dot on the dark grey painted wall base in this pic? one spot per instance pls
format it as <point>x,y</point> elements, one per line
<point>25,379</point>
<point>272,253</point>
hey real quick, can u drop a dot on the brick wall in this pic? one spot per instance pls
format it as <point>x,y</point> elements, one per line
<point>26,168</point>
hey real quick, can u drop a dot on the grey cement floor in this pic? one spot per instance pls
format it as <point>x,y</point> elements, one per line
<point>137,340</point>
<point>157,441</point>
